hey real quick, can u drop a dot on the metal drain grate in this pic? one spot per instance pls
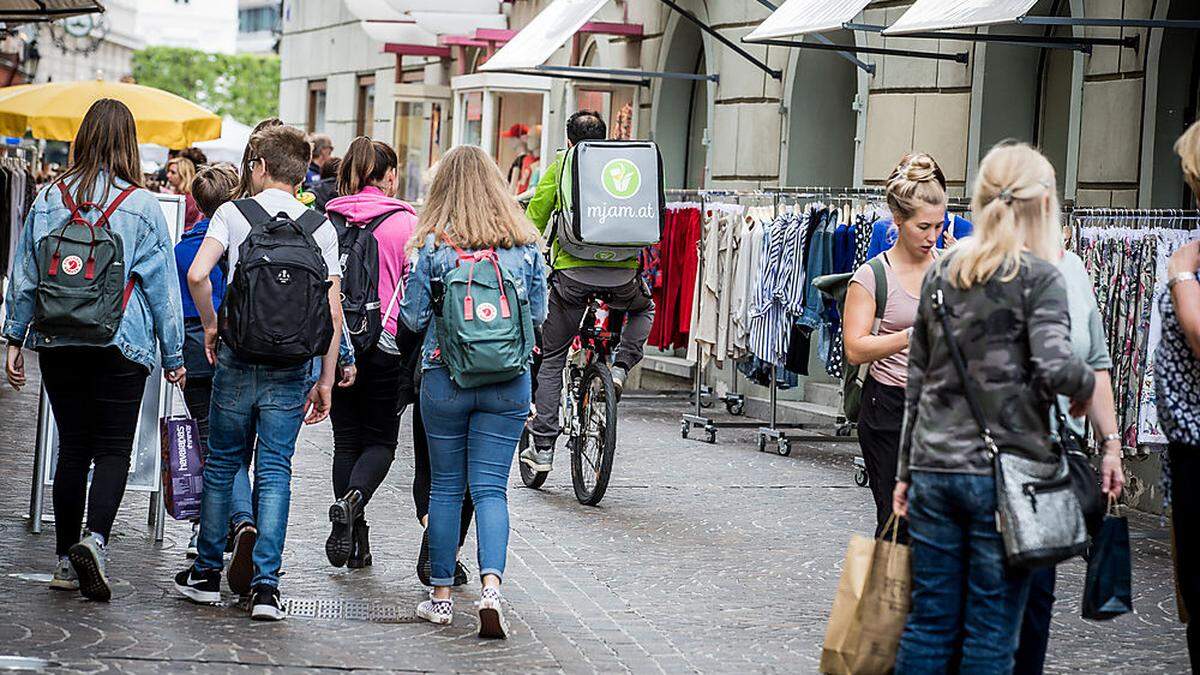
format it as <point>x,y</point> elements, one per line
<point>349,610</point>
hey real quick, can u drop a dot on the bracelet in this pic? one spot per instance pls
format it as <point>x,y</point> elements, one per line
<point>1178,278</point>
<point>1111,437</point>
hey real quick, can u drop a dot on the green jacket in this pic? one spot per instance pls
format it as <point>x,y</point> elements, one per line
<point>540,210</point>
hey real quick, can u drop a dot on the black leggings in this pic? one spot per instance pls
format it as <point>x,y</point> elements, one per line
<point>423,476</point>
<point>96,396</point>
<point>1185,519</point>
<point>879,424</point>
<point>198,397</point>
<point>366,423</point>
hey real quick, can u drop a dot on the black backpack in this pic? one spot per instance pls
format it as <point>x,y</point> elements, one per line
<point>276,312</point>
<point>359,258</point>
<point>82,286</point>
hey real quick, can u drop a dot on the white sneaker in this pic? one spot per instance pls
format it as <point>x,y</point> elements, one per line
<point>492,624</point>
<point>440,612</point>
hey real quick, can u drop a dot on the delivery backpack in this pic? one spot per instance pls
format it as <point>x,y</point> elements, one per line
<point>359,260</point>
<point>835,287</point>
<point>484,327</point>
<point>610,199</point>
<point>82,287</point>
<point>276,312</point>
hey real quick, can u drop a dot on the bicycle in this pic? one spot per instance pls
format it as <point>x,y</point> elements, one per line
<point>588,408</point>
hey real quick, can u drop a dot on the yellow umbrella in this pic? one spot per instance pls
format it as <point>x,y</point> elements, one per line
<point>54,111</point>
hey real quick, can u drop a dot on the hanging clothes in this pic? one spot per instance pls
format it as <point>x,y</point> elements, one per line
<point>675,278</point>
<point>884,233</point>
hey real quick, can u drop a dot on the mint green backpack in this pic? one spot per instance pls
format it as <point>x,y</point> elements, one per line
<point>485,329</point>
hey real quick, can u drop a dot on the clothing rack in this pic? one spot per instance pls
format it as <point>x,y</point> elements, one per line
<point>702,394</point>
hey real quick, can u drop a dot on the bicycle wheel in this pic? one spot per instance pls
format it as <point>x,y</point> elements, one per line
<point>593,447</point>
<point>532,479</point>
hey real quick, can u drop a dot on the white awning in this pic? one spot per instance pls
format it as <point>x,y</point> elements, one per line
<point>799,17</point>
<point>455,6</point>
<point>398,32</point>
<point>548,31</point>
<point>374,10</point>
<point>445,23</point>
<point>937,15</point>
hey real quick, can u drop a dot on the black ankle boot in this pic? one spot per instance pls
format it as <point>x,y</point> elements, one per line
<point>361,557</point>
<point>342,515</point>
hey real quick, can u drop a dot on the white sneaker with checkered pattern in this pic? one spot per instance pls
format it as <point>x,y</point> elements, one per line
<point>492,623</point>
<point>436,611</point>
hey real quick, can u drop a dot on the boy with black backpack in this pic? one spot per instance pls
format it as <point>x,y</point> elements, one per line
<point>281,310</point>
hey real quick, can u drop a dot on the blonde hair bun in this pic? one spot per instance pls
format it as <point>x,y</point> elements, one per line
<point>916,181</point>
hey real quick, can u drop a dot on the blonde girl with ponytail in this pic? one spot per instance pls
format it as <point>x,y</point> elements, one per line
<point>916,195</point>
<point>1007,308</point>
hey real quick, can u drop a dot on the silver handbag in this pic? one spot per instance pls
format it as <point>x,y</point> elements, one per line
<point>1037,511</point>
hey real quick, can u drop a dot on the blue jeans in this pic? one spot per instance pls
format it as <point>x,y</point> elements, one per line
<point>251,401</point>
<point>473,434</point>
<point>966,603</point>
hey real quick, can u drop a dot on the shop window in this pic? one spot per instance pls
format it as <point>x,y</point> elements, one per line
<point>615,105</point>
<point>472,107</point>
<point>419,144</point>
<point>1176,108</point>
<point>518,142</point>
<point>365,115</point>
<point>316,106</point>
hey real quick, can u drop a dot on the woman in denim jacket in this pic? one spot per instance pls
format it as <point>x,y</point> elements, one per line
<point>95,388</point>
<point>472,432</point>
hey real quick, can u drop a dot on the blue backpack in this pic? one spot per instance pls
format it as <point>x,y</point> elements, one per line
<point>485,328</point>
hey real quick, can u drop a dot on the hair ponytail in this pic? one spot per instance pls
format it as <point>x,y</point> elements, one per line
<point>1011,216</point>
<point>366,162</point>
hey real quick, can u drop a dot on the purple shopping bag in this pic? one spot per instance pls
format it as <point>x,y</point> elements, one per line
<point>183,466</point>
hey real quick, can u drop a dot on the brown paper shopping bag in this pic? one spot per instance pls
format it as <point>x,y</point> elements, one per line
<point>870,608</point>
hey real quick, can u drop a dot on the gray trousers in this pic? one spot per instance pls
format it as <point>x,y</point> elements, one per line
<point>567,303</point>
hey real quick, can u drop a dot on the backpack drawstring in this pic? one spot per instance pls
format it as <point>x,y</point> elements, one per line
<point>475,257</point>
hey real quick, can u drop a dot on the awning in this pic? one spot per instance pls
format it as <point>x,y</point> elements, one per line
<point>456,6</point>
<point>374,10</point>
<point>443,23</point>
<point>399,32</point>
<point>800,17</point>
<point>938,15</point>
<point>548,31</point>
<point>45,10</point>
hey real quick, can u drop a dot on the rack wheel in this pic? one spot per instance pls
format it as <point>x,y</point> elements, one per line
<point>684,428</point>
<point>844,431</point>
<point>711,434</point>
<point>762,443</point>
<point>860,477</point>
<point>706,402</point>
<point>783,446</point>
<point>735,407</point>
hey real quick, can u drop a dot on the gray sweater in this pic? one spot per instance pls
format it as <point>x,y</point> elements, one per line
<point>1016,339</point>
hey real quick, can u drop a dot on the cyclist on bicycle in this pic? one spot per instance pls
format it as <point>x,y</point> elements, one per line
<point>572,280</point>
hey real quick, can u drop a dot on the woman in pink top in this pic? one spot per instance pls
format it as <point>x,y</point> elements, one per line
<point>916,194</point>
<point>366,414</point>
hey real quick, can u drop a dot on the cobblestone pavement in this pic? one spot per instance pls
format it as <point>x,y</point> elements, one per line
<point>701,558</point>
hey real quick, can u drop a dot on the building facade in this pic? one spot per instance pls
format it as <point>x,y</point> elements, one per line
<point>1106,118</point>
<point>259,25</point>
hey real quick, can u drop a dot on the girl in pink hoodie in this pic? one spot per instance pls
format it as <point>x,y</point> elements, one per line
<point>366,414</point>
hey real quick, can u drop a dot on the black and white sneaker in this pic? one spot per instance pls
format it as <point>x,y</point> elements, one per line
<point>440,612</point>
<point>492,624</point>
<point>89,558</point>
<point>267,605</point>
<point>194,542</point>
<point>201,587</point>
<point>240,572</point>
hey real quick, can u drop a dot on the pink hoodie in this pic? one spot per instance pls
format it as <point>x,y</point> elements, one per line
<point>392,236</point>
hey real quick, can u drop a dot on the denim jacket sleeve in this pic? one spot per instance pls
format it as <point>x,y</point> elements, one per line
<point>536,283</point>
<point>22,286</point>
<point>154,266</point>
<point>415,307</point>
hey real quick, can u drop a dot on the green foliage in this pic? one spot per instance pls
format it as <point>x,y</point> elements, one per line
<point>243,86</point>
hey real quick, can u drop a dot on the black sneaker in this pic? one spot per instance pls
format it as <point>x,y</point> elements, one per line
<point>202,587</point>
<point>267,605</point>
<point>241,566</point>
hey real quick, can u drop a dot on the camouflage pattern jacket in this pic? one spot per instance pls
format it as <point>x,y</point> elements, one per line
<point>1016,338</point>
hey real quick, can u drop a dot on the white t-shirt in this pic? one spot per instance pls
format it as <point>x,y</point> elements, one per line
<point>230,228</point>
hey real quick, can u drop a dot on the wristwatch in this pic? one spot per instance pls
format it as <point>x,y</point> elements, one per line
<point>1182,276</point>
<point>1114,436</point>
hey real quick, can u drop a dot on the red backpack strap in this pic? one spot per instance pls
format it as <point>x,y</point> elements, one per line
<point>116,203</point>
<point>128,291</point>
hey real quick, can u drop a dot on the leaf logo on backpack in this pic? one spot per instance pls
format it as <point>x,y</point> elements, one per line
<point>82,287</point>
<point>485,328</point>
<point>622,179</point>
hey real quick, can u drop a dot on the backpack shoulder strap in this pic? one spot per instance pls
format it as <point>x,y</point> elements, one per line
<point>881,290</point>
<point>381,219</point>
<point>254,213</point>
<point>310,221</point>
<point>116,203</point>
<point>339,221</point>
